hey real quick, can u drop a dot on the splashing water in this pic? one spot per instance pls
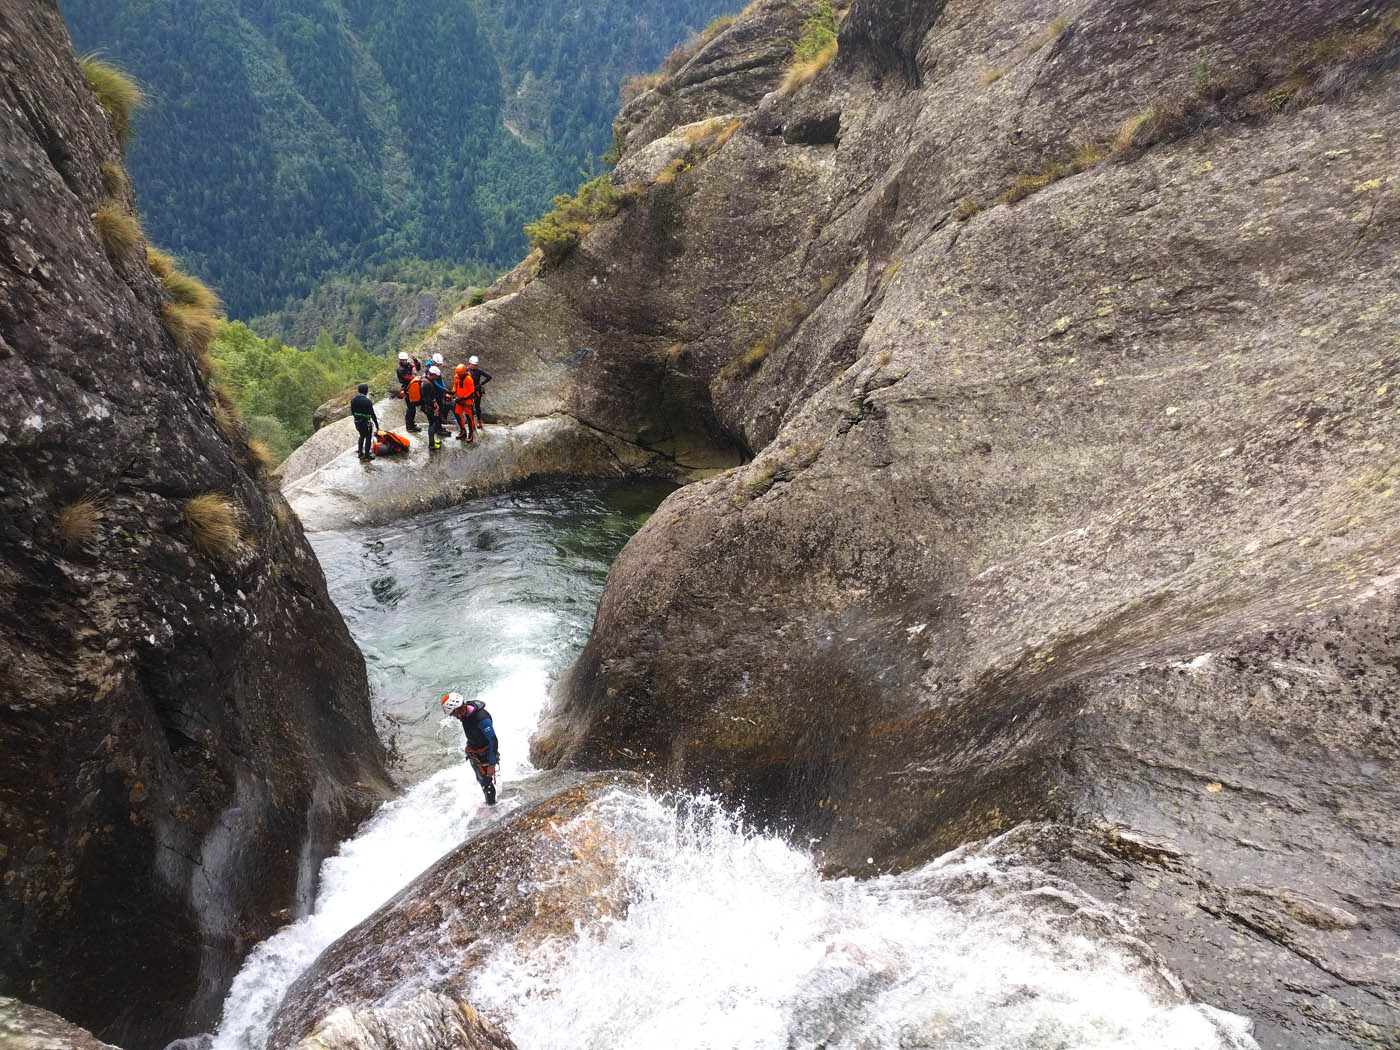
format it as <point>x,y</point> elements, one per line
<point>733,940</point>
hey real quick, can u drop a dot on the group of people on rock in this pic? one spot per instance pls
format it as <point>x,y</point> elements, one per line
<point>425,388</point>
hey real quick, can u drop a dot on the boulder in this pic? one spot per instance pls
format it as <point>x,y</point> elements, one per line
<point>185,720</point>
<point>337,407</point>
<point>24,1027</point>
<point>522,880</point>
<point>427,1021</point>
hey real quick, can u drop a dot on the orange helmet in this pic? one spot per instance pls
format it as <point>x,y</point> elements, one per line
<point>461,369</point>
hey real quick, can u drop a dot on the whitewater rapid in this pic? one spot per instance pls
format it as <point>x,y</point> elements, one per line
<point>732,939</point>
<point>729,938</point>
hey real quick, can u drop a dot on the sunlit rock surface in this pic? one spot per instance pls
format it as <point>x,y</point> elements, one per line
<point>428,1021</point>
<point>24,1027</point>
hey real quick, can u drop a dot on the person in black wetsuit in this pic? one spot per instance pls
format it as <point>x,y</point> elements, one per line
<point>366,422</point>
<point>482,750</point>
<point>480,377</point>
<point>408,368</point>
<point>435,404</point>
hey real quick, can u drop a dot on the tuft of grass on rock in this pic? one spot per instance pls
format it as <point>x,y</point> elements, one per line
<point>1046,35</point>
<point>213,521</point>
<point>1126,136</point>
<point>992,75</point>
<point>115,180</point>
<point>160,264</point>
<point>190,291</point>
<point>80,523</point>
<point>1030,182</point>
<point>639,85</point>
<point>804,70</point>
<point>191,327</point>
<point>671,171</point>
<point>716,27</point>
<point>262,455</point>
<point>967,208</point>
<point>117,92</point>
<point>191,317</point>
<point>117,229</point>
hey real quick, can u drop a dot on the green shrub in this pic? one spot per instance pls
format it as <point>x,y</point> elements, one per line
<point>818,32</point>
<point>814,49</point>
<point>119,95</point>
<point>558,232</point>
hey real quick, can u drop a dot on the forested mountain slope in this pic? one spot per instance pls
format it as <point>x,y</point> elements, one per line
<point>285,139</point>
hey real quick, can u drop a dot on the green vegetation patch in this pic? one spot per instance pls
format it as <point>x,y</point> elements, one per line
<point>558,232</point>
<point>276,388</point>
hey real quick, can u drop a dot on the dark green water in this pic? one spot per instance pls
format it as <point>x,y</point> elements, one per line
<point>493,598</point>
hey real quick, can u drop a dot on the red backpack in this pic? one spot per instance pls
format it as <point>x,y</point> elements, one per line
<point>414,394</point>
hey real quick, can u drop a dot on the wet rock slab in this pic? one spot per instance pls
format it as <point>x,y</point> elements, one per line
<point>428,1021</point>
<point>25,1027</point>
<point>330,488</point>
<point>520,881</point>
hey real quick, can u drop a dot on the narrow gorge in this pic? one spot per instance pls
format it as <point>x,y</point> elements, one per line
<point>1014,665</point>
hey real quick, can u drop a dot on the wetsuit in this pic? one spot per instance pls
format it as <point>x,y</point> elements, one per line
<point>482,749</point>
<point>366,422</point>
<point>435,404</point>
<point>463,390</point>
<point>406,371</point>
<point>480,378</point>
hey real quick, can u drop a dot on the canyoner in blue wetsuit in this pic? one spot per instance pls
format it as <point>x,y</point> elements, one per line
<point>481,748</point>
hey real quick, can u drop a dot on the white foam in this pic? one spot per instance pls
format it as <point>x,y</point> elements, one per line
<point>732,940</point>
<point>407,835</point>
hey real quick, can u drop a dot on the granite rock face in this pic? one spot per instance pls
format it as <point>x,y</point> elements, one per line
<point>24,1027</point>
<point>1065,343</point>
<point>185,727</point>
<point>428,1021</point>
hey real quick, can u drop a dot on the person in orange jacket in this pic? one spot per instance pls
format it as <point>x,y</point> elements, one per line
<point>463,390</point>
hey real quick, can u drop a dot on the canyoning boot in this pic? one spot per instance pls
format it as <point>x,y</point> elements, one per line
<point>462,436</point>
<point>414,429</point>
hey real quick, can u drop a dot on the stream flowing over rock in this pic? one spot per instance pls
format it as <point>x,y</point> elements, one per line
<point>1066,343</point>
<point>185,725</point>
<point>520,881</point>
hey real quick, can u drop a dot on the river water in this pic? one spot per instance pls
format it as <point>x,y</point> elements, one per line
<point>731,939</point>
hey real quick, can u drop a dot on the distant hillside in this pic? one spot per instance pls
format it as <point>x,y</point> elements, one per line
<point>284,140</point>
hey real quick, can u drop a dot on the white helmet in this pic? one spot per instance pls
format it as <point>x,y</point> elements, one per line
<point>451,702</point>
<point>434,370</point>
<point>403,355</point>
<point>472,360</point>
<point>437,359</point>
